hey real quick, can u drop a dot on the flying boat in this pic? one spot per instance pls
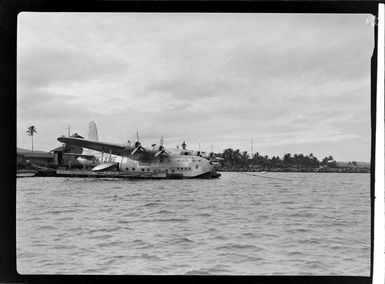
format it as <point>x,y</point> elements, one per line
<point>132,159</point>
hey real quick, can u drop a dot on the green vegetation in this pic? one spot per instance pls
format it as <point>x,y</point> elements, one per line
<point>30,132</point>
<point>234,160</point>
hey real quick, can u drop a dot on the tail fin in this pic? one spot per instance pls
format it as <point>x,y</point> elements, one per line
<point>92,131</point>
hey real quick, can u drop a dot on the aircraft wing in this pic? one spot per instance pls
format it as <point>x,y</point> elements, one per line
<point>80,155</point>
<point>106,147</point>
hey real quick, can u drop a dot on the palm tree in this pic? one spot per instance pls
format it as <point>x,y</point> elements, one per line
<point>31,130</point>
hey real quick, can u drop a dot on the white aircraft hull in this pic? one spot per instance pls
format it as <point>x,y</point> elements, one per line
<point>171,167</point>
<point>137,161</point>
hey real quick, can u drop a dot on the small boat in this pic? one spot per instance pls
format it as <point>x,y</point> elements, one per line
<point>25,174</point>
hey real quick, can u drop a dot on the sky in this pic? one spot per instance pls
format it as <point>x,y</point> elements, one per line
<point>291,83</point>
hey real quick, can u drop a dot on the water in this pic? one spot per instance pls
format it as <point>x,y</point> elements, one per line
<point>313,224</point>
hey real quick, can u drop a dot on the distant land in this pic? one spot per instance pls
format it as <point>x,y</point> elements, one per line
<point>359,164</point>
<point>21,150</point>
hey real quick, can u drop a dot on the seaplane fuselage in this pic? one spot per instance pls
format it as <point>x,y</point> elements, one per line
<point>172,166</point>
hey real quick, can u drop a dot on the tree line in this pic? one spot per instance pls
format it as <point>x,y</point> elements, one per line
<point>237,159</point>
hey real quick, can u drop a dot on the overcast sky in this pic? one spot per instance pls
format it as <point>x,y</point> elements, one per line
<point>295,83</point>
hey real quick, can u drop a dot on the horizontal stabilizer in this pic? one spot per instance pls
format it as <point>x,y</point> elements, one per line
<point>79,155</point>
<point>104,166</point>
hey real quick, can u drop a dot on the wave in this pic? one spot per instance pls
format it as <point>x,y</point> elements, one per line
<point>197,272</point>
<point>239,246</point>
<point>111,244</point>
<point>151,204</point>
<point>314,264</point>
<point>203,214</point>
<point>249,234</point>
<point>103,230</point>
<point>183,240</point>
<point>65,219</point>
<point>150,256</point>
<point>164,212</point>
<point>55,212</point>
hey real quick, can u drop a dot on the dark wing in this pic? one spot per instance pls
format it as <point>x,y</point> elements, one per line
<point>115,149</point>
<point>79,155</point>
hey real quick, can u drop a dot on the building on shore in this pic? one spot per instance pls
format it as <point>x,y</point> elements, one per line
<point>61,159</point>
<point>26,157</point>
<point>54,158</point>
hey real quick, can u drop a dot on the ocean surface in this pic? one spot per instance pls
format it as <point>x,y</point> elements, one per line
<point>270,224</point>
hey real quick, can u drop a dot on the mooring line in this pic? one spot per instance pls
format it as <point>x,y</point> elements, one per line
<point>264,176</point>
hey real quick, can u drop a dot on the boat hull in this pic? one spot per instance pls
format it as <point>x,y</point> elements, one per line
<point>128,175</point>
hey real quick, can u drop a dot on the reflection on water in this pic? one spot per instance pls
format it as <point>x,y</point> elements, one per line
<point>316,224</point>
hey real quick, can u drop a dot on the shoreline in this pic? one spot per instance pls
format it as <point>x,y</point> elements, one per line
<point>277,170</point>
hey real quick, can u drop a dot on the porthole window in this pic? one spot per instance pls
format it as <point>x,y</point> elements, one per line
<point>126,169</point>
<point>142,170</point>
<point>173,171</point>
<point>133,169</point>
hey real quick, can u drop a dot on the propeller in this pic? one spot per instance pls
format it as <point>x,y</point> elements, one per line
<point>138,145</point>
<point>161,148</point>
<point>212,158</point>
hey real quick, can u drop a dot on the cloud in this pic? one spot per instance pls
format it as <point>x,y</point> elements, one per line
<point>212,78</point>
<point>44,67</point>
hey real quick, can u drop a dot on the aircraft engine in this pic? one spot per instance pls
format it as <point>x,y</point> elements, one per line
<point>160,151</point>
<point>138,145</point>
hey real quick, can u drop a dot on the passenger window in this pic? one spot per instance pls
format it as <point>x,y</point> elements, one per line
<point>148,169</point>
<point>196,166</point>
<point>142,170</point>
<point>126,169</point>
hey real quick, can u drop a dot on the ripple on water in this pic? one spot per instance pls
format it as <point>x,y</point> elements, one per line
<point>234,246</point>
<point>219,269</point>
<point>181,240</point>
<point>232,225</point>
<point>197,272</point>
